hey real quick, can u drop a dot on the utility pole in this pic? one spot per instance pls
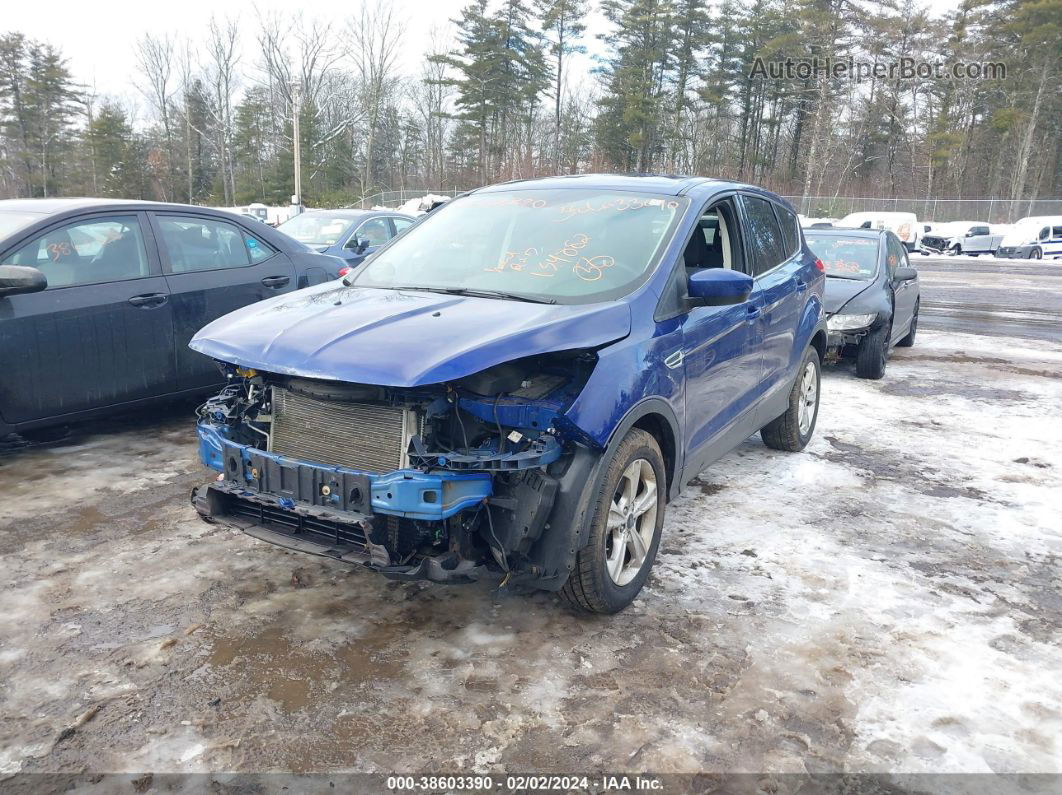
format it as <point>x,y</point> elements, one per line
<point>296,105</point>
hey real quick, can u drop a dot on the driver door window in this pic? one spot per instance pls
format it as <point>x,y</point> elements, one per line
<point>87,252</point>
<point>375,232</point>
<point>895,255</point>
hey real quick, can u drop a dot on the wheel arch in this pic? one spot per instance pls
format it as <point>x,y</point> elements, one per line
<point>656,417</point>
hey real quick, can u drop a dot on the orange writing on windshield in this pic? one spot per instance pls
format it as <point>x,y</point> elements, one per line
<point>531,261</point>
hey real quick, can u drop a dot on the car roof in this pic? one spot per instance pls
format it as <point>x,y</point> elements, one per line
<point>351,213</point>
<point>50,206</point>
<point>667,184</point>
<point>846,231</point>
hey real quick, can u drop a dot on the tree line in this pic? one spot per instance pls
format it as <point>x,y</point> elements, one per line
<point>674,88</point>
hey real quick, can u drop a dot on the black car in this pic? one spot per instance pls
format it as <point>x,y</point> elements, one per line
<point>99,298</point>
<point>872,295</point>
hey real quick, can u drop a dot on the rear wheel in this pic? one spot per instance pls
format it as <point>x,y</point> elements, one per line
<point>908,341</point>
<point>873,353</point>
<point>793,430</point>
<point>624,531</point>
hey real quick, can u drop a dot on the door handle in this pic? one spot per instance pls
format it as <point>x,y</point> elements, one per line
<point>148,300</point>
<point>276,281</point>
<point>801,285</point>
<point>752,312</point>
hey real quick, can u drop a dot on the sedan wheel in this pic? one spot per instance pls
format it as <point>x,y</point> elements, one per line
<point>631,522</point>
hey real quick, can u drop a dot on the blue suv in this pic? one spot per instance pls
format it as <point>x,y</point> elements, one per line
<point>520,383</point>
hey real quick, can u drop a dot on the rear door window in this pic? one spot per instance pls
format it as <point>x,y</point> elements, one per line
<point>91,251</point>
<point>765,236</point>
<point>401,224</point>
<point>790,229</point>
<point>201,244</point>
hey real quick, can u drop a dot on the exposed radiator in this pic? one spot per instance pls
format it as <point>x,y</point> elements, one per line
<point>361,436</point>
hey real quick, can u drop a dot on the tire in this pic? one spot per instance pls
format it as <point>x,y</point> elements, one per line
<point>793,430</point>
<point>1036,253</point>
<point>909,340</point>
<point>607,575</point>
<point>955,250</point>
<point>874,353</point>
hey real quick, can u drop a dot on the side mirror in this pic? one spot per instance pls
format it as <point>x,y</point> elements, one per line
<point>15,279</point>
<point>906,274</point>
<point>719,287</point>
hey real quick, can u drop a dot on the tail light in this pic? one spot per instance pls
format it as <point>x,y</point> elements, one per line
<point>344,271</point>
<point>820,266</point>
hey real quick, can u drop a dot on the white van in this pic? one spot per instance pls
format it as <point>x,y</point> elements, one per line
<point>1035,237</point>
<point>904,225</point>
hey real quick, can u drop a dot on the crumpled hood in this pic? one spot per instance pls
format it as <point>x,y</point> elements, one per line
<point>400,338</point>
<point>840,291</point>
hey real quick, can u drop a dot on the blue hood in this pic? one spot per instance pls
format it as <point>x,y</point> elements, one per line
<point>400,338</point>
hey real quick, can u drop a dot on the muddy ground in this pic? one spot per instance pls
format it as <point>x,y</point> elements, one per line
<point>889,600</point>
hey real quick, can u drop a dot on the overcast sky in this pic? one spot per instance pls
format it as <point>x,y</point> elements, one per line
<point>98,37</point>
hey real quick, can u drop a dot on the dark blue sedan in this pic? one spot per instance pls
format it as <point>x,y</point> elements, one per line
<point>351,235</point>
<point>99,298</point>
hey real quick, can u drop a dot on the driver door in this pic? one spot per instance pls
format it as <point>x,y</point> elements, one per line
<point>101,334</point>
<point>722,346</point>
<point>905,293</point>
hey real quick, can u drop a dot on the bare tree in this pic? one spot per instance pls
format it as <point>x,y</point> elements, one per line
<point>155,59</point>
<point>222,61</point>
<point>431,97</point>
<point>376,40</point>
<point>298,61</point>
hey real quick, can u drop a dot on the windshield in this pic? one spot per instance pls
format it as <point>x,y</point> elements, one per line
<point>845,257</point>
<point>317,229</point>
<point>12,222</point>
<point>563,246</point>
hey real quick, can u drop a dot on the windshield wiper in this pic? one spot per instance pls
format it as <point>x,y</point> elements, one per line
<point>849,278</point>
<point>482,294</point>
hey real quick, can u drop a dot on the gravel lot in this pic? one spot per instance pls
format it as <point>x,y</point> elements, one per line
<point>889,600</point>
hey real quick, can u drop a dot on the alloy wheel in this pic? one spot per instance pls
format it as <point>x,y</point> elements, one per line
<point>631,522</point>
<point>809,398</point>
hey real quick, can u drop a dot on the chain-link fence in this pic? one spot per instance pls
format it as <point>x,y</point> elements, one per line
<point>994,211</point>
<point>395,198</point>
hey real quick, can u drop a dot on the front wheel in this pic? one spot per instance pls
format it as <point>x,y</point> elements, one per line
<point>873,353</point>
<point>1036,253</point>
<point>793,430</point>
<point>624,529</point>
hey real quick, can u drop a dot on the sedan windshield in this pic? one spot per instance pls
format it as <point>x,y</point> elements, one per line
<point>845,257</point>
<point>317,229</point>
<point>557,246</point>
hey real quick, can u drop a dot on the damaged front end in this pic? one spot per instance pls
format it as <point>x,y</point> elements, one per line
<point>441,482</point>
